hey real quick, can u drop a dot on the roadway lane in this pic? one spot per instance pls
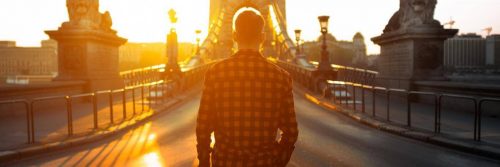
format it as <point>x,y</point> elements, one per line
<point>326,139</point>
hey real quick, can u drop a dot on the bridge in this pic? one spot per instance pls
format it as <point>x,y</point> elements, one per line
<point>347,116</point>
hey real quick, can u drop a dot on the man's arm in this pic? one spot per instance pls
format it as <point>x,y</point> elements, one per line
<point>288,124</point>
<point>205,122</point>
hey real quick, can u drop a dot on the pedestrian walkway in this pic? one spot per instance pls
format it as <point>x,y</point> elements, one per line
<point>455,122</point>
<point>326,138</point>
<point>51,118</point>
<point>457,125</point>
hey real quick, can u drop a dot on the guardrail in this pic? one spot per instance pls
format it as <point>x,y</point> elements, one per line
<point>355,80</point>
<point>94,100</point>
<point>147,94</point>
<point>142,75</point>
<point>27,110</point>
<point>303,76</point>
<point>438,103</point>
<point>352,74</point>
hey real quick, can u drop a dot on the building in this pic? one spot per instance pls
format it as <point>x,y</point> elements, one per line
<point>465,51</point>
<point>138,55</point>
<point>5,44</point>
<point>493,50</point>
<point>27,61</point>
<point>359,48</point>
<point>349,53</point>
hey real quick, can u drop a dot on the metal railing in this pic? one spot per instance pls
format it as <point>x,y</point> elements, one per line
<point>147,94</point>
<point>94,100</point>
<point>355,80</point>
<point>437,97</point>
<point>142,75</point>
<point>27,110</point>
<point>304,76</point>
<point>352,74</point>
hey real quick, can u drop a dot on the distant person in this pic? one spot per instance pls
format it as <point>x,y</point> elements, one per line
<point>245,100</point>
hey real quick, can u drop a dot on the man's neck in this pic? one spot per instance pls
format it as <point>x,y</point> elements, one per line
<point>255,48</point>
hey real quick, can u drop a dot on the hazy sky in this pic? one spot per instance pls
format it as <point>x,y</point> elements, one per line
<point>146,20</point>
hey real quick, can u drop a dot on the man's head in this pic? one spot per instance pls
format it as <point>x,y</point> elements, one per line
<point>248,29</point>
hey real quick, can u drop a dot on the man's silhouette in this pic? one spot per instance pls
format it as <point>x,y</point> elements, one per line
<point>246,99</point>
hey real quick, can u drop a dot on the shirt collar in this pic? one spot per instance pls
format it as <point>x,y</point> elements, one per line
<point>249,53</point>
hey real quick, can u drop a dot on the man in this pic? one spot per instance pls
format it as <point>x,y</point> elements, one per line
<point>246,99</point>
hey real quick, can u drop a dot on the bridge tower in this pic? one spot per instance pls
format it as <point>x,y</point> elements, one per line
<point>222,12</point>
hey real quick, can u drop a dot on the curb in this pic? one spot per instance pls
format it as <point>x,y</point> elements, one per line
<point>125,126</point>
<point>439,140</point>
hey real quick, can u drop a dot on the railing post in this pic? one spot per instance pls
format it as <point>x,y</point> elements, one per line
<point>28,120</point>
<point>363,98</point>
<point>142,98</point>
<point>365,74</point>
<point>374,91</point>
<point>69,109</point>
<point>354,96</point>
<point>150,100</point>
<point>341,100</point>
<point>162,89</point>
<point>476,114</point>
<point>111,112</point>
<point>346,96</point>
<point>479,119</point>
<point>438,115</point>
<point>334,93</point>
<point>133,100</point>
<point>408,109</point>
<point>388,92</point>
<point>155,86</point>
<point>94,109</point>
<point>32,115</point>
<point>436,110</point>
<point>124,103</point>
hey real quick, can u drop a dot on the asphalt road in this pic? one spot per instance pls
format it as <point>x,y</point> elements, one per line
<point>326,139</point>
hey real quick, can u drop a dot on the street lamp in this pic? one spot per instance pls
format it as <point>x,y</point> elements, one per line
<point>323,22</point>
<point>172,45</point>
<point>297,38</point>
<point>173,18</point>
<point>325,60</point>
<point>198,32</point>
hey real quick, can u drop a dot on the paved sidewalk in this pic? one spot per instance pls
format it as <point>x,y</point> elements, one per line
<point>166,105</point>
<point>455,123</point>
<point>51,119</point>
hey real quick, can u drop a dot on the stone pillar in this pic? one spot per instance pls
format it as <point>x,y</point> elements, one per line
<point>88,48</point>
<point>412,46</point>
<point>411,55</point>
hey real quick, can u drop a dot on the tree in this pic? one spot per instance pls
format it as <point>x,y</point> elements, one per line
<point>338,55</point>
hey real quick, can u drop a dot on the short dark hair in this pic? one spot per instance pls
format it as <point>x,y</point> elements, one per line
<point>249,25</point>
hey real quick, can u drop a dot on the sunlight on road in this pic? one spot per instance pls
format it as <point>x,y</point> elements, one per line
<point>152,156</point>
<point>152,160</point>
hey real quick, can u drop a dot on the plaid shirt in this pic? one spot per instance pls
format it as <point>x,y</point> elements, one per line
<point>246,99</point>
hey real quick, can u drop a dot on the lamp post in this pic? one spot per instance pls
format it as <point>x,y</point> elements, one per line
<point>297,38</point>
<point>172,69</point>
<point>198,32</point>
<point>325,64</point>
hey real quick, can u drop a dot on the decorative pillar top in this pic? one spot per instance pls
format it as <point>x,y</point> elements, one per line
<point>413,14</point>
<point>84,14</point>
